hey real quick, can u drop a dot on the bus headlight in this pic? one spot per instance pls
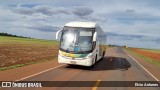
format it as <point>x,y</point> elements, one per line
<point>60,54</point>
<point>89,55</point>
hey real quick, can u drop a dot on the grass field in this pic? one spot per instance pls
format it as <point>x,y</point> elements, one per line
<point>149,55</point>
<point>16,52</point>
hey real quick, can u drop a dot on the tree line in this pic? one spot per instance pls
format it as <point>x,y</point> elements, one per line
<point>10,35</point>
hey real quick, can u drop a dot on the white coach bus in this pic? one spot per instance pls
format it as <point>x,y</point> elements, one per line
<point>81,43</point>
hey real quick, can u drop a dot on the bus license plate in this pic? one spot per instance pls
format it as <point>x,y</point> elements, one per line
<point>73,62</point>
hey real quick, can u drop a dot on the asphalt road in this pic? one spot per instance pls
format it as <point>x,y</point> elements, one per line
<point>117,65</point>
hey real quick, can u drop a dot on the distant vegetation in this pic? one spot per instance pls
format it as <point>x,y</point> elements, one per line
<point>117,45</point>
<point>10,35</point>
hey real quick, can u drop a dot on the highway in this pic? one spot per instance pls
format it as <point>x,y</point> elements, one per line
<point>117,65</point>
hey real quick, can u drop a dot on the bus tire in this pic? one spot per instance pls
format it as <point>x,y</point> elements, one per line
<point>103,54</point>
<point>95,60</point>
<point>93,65</point>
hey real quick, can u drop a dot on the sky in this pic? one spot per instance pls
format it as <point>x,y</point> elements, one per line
<point>135,23</point>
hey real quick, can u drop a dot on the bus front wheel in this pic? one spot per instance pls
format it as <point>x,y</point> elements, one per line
<point>94,63</point>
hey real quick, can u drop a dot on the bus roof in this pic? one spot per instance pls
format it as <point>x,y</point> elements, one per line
<point>82,24</point>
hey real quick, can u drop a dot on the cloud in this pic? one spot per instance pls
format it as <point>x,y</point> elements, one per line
<point>22,10</point>
<point>44,9</point>
<point>79,12</point>
<point>28,5</point>
<point>157,40</point>
<point>134,37</point>
<point>45,28</point>
<point>91,18</point>
<point>133,22</point>
<point>131,16</point>
<point>48,10</point>
<point>125,36</point>
<point>82,11</point>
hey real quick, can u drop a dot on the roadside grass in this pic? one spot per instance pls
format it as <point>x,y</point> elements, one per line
<point>16,40</point>
<point>20,65</point>
<point>148,59</point>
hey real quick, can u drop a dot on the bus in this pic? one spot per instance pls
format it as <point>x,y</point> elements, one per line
<point>81,43</point>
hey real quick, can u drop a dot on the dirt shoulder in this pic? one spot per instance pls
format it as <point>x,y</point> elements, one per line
<point>21,72</point>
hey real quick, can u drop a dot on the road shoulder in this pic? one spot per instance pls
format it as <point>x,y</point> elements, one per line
<point>149,66</point>
<point>21,72</point>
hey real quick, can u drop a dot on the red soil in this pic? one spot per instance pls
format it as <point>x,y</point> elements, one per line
<point>152,55</point>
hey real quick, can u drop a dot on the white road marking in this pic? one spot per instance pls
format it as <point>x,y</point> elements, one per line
<point>143,68</point>
<point>40,72</point>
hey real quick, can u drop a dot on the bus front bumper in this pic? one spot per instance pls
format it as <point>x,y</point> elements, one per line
<point>82,62</point>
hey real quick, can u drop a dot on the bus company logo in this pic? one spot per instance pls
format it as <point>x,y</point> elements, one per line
<point>6,84</point>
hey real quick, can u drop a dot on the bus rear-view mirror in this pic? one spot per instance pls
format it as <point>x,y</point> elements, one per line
<point>95,36</point>
<point>57,34</point>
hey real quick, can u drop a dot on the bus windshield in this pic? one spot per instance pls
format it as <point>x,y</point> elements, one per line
<point>76,40</point>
